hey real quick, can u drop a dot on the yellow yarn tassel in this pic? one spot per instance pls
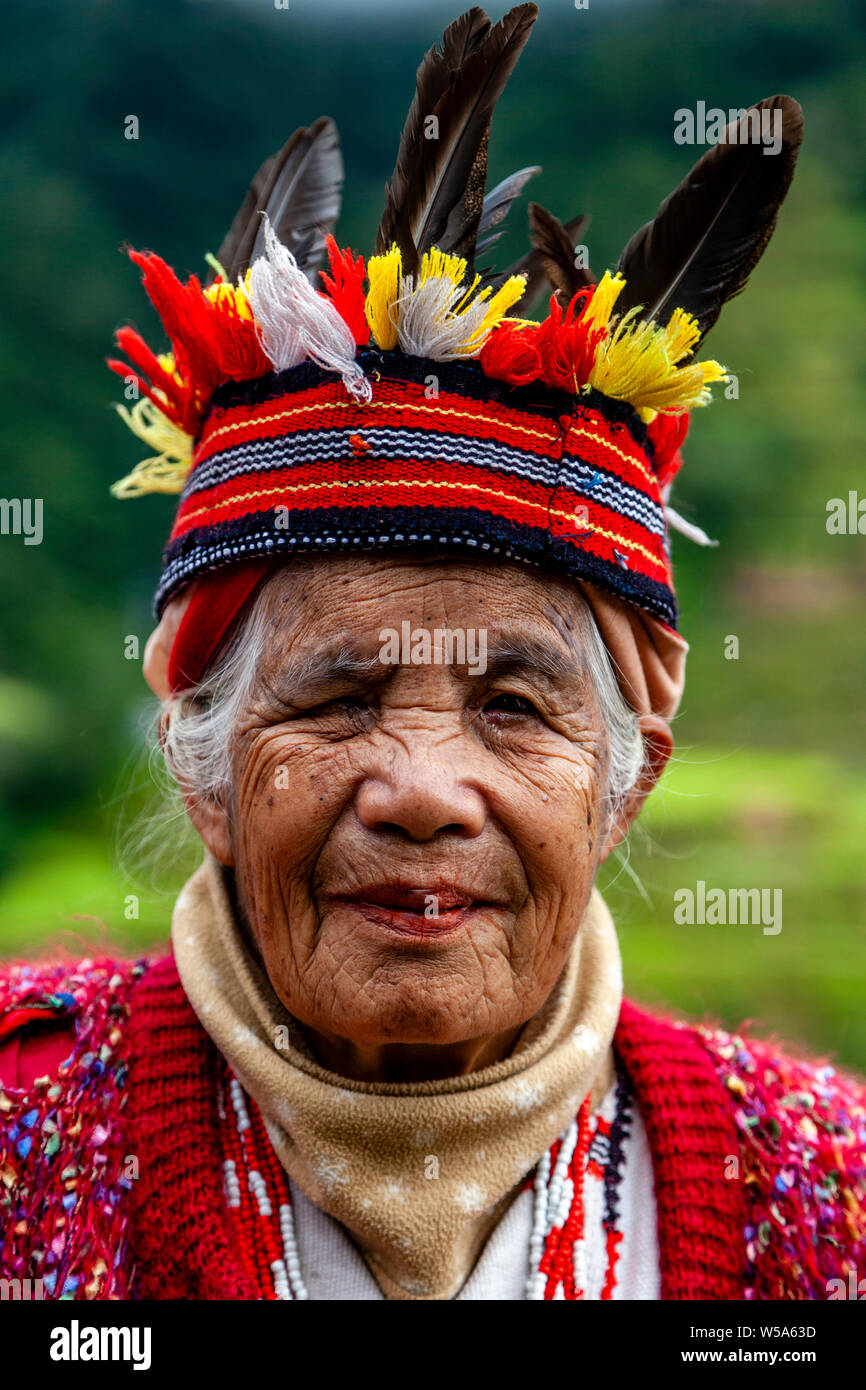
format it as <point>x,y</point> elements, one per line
<point>384,276</point>
<point>639,362</point>
<point>605,295</point>
<point>508,294</point>
<point>433,313</point>
<point>167,470</point>
<point>236,296</point>
<point>435,262</point>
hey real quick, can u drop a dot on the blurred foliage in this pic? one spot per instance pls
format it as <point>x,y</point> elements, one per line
<point>216,87</point>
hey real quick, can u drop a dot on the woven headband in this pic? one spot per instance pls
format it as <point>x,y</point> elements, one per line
<point>401,404</point>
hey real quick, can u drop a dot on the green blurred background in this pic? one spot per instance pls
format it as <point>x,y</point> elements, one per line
<point>768,788</point>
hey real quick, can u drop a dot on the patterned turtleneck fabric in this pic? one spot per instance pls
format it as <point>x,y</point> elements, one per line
<point>112,1181</point>
<point>334,1270</point>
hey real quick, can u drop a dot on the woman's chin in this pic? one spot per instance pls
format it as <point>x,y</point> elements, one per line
<point>412,998</point>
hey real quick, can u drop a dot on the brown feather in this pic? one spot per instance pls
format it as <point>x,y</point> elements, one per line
<point>555,246</point>
<point>435,194</point>
<point>436,72</point>
<point>495,207</point>
<point>299,189</point>
<point>550,261</point>
<point>710,233</point>
<point>461,230</point>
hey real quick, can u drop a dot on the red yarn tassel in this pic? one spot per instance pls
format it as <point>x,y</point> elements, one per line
<point>510,354</point>
<point>150,375</point>
<point>212,343</point>
<point>667,433</point>
<point>239,354</point>
<point>566,344</point>
<point>345,285</point>
<point>560,351</point>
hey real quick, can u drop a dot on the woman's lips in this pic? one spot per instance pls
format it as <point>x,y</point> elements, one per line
<point>417,912</point>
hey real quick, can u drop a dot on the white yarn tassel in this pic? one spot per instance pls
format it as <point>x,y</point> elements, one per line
<point>427,325</point>
<point>687,528</point>
<point>295,323</point>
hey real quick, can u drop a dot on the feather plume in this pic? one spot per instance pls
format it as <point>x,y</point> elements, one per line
<point>299,190</point>
<point>435,194</point>
<point>710,233</point>
<point>497,204</point>
<point>498,201</point>
<point>436,73</point>
<point>555,246</point>
<point>551,259</point>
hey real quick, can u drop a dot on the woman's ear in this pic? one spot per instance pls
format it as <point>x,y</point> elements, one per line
<point>658,744</point>
<point>209,816</point>
<point>157,652</point>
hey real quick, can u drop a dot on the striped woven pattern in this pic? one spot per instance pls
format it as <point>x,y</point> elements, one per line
<point>443,459</point>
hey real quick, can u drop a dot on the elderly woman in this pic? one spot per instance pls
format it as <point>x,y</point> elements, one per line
<point>417,660</point>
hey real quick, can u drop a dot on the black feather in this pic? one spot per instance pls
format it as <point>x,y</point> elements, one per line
<point>436,73</point>
<point>299,189</point>
<point>709,234</point>
<point>435,194</point>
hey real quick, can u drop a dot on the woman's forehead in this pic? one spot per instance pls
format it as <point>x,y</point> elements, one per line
<point>345,623</point>
<point>358,591</point>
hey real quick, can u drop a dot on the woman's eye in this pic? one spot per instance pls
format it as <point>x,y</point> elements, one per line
<point>502,707</point>
<point>350,707</point>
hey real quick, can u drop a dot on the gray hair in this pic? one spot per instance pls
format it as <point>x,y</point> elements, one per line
<point>199,723</point>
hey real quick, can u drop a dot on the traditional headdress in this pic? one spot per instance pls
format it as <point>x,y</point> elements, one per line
<point>402,405</point>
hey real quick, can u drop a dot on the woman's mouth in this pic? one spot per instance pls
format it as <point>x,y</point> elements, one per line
<point>416,911</point>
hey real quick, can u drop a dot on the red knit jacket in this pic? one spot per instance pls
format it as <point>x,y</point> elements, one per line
<point>110,1163</point>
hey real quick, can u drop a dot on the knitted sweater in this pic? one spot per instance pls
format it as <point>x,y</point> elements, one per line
<point>111,1178</point>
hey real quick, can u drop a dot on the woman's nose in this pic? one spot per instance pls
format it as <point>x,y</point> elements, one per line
<point>420,799</point>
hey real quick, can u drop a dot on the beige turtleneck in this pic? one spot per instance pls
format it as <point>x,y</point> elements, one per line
<point>420,1173</point>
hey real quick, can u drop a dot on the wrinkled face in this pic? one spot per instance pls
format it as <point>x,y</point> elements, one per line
<point>415,839</point>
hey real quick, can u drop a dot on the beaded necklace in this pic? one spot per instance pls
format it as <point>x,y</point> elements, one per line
<point>259,1198</point>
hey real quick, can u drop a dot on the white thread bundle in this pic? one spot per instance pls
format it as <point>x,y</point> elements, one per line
<point>295,323</point>
<point>427,325</point>
<point>687,528</point>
